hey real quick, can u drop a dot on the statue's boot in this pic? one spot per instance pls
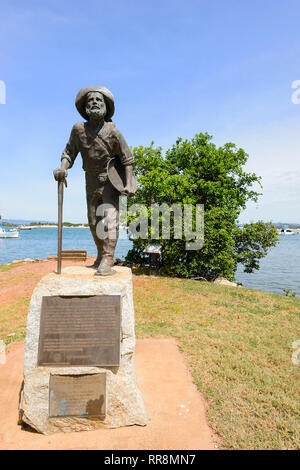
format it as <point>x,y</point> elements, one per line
<point>107,261</point>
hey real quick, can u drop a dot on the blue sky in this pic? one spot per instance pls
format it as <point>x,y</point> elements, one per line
<point>175,68</point>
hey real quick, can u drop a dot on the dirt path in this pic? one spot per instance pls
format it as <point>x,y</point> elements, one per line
<point>21,280</point>
<point>176,410</point>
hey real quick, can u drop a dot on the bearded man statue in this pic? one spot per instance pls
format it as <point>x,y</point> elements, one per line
<point>108,165</point>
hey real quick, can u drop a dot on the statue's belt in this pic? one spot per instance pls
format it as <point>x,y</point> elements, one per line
<point>100,174</point>
<point>115,173</point>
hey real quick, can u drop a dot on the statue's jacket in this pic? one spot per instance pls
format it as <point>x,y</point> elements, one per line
<point>97,150</point>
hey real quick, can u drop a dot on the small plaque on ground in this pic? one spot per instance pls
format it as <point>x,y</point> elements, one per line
<point>77,395</point>
<point>80,331</point>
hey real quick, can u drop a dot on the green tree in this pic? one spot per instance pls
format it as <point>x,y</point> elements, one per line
<point>252,243</point>
<point>197,172</point>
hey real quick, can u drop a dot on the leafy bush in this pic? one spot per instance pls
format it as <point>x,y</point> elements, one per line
<point>197,172</point>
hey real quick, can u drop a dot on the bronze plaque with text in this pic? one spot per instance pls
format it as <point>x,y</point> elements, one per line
<point>80,331</point>
<point>77,395</point>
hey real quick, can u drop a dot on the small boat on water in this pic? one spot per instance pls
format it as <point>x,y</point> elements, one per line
<point>12,233</point>
<point>286,231</point>
<point>23,227</point>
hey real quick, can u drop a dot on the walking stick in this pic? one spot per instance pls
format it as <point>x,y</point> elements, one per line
<point>60,221</point>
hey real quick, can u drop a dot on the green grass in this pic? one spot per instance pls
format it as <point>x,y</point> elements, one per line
<point>7,267</point>
<point>13,320</point>
<point>238,344</point>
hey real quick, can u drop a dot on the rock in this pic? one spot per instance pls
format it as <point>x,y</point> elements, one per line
<point>198,278</point>
<point>224,282</point>
<point>38,260</point>
<point>125,405</point>
<point>11,334</point>
<point>28,260</point>
<point>17,261</point>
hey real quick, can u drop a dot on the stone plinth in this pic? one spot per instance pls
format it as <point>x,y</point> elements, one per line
<point>124,404</point>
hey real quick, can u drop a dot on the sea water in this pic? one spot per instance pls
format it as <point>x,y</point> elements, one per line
<point>279,270</point>
<point>42,242</point>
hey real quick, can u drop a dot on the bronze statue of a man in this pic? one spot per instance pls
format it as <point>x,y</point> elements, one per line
<point>108,165</point>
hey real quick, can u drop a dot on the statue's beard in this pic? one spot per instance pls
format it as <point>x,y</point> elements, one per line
<point>95,113</point>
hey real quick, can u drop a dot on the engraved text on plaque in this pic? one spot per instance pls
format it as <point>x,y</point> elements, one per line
<point>80,331</point>
<point>77,395</point>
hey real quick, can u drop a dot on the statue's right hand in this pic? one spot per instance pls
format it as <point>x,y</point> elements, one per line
<point>60,174</point>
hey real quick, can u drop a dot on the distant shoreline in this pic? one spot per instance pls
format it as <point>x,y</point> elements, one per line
<point>30,227</point>
<point>55,226</point>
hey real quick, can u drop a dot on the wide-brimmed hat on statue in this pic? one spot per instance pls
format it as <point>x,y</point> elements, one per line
<point>80,101</point>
